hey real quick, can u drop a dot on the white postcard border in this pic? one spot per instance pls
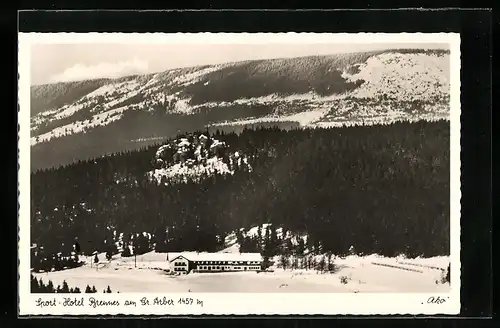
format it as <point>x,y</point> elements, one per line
<point>241,303</point>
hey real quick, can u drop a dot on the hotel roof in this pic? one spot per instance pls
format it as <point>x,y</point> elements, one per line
<point>205,256</point>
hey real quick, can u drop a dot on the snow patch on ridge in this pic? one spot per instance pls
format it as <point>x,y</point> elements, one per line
<point>402,76</point>
<point>101,119</point>
<point>184,173</point>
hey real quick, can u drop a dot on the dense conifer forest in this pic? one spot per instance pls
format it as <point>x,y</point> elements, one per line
<point>376,189</point>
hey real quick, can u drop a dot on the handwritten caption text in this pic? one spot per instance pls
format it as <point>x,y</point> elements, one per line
<point>95,302</point>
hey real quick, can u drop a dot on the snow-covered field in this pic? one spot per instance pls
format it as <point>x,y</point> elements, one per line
<point>355,274</point>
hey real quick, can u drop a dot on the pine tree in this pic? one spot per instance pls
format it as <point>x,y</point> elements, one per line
<point>94,290</point>
<point>295,263</point>
<point>65,288</point>
<point>50,287</point>
<point>126,251</point>
<point>299,250</point>
<point>314,263</point>
<point>265,263</point>
<point>273,241</point>
<point>302,262</point>
<point>329,265</point>
<point>77,290</point>
<point>108,290</point>
<point>259,238</point>
<point>267,241</point>
<point>321,264</point>
<point>35,287</point>
<point>284,261</point>
<point>77,248</point>
<point>41,286</point>
<point>310,244</point>
<point>288,247</point>
<point>240,238</point>
<point>88,289</point>
<point>309,262</point>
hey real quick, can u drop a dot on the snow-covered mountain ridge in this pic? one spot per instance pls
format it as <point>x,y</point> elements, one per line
<point>320,91</point>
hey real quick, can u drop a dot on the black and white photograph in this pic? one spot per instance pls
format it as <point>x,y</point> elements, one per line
<point>259,169</point>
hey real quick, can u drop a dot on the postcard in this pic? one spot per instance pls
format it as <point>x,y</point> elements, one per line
<point>237,173</point>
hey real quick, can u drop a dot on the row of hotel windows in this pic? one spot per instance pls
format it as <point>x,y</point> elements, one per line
<point>219,268</point>
<point>179,269</point>
<point>227,262</point>
<point>212,263</point>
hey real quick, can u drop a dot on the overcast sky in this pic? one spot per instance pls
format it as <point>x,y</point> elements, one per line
<point>72,62</point>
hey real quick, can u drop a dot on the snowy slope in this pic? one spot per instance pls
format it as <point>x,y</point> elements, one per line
<point>148,274</point>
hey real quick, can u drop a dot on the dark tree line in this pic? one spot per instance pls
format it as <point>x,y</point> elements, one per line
<point>382,189</point>
<point>42,259</point>
<point>38,286</point>
<point>270,242</point>
<point>49,96</point>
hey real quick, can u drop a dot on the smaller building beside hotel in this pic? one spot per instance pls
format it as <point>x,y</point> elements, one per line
<point>215,262</point>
